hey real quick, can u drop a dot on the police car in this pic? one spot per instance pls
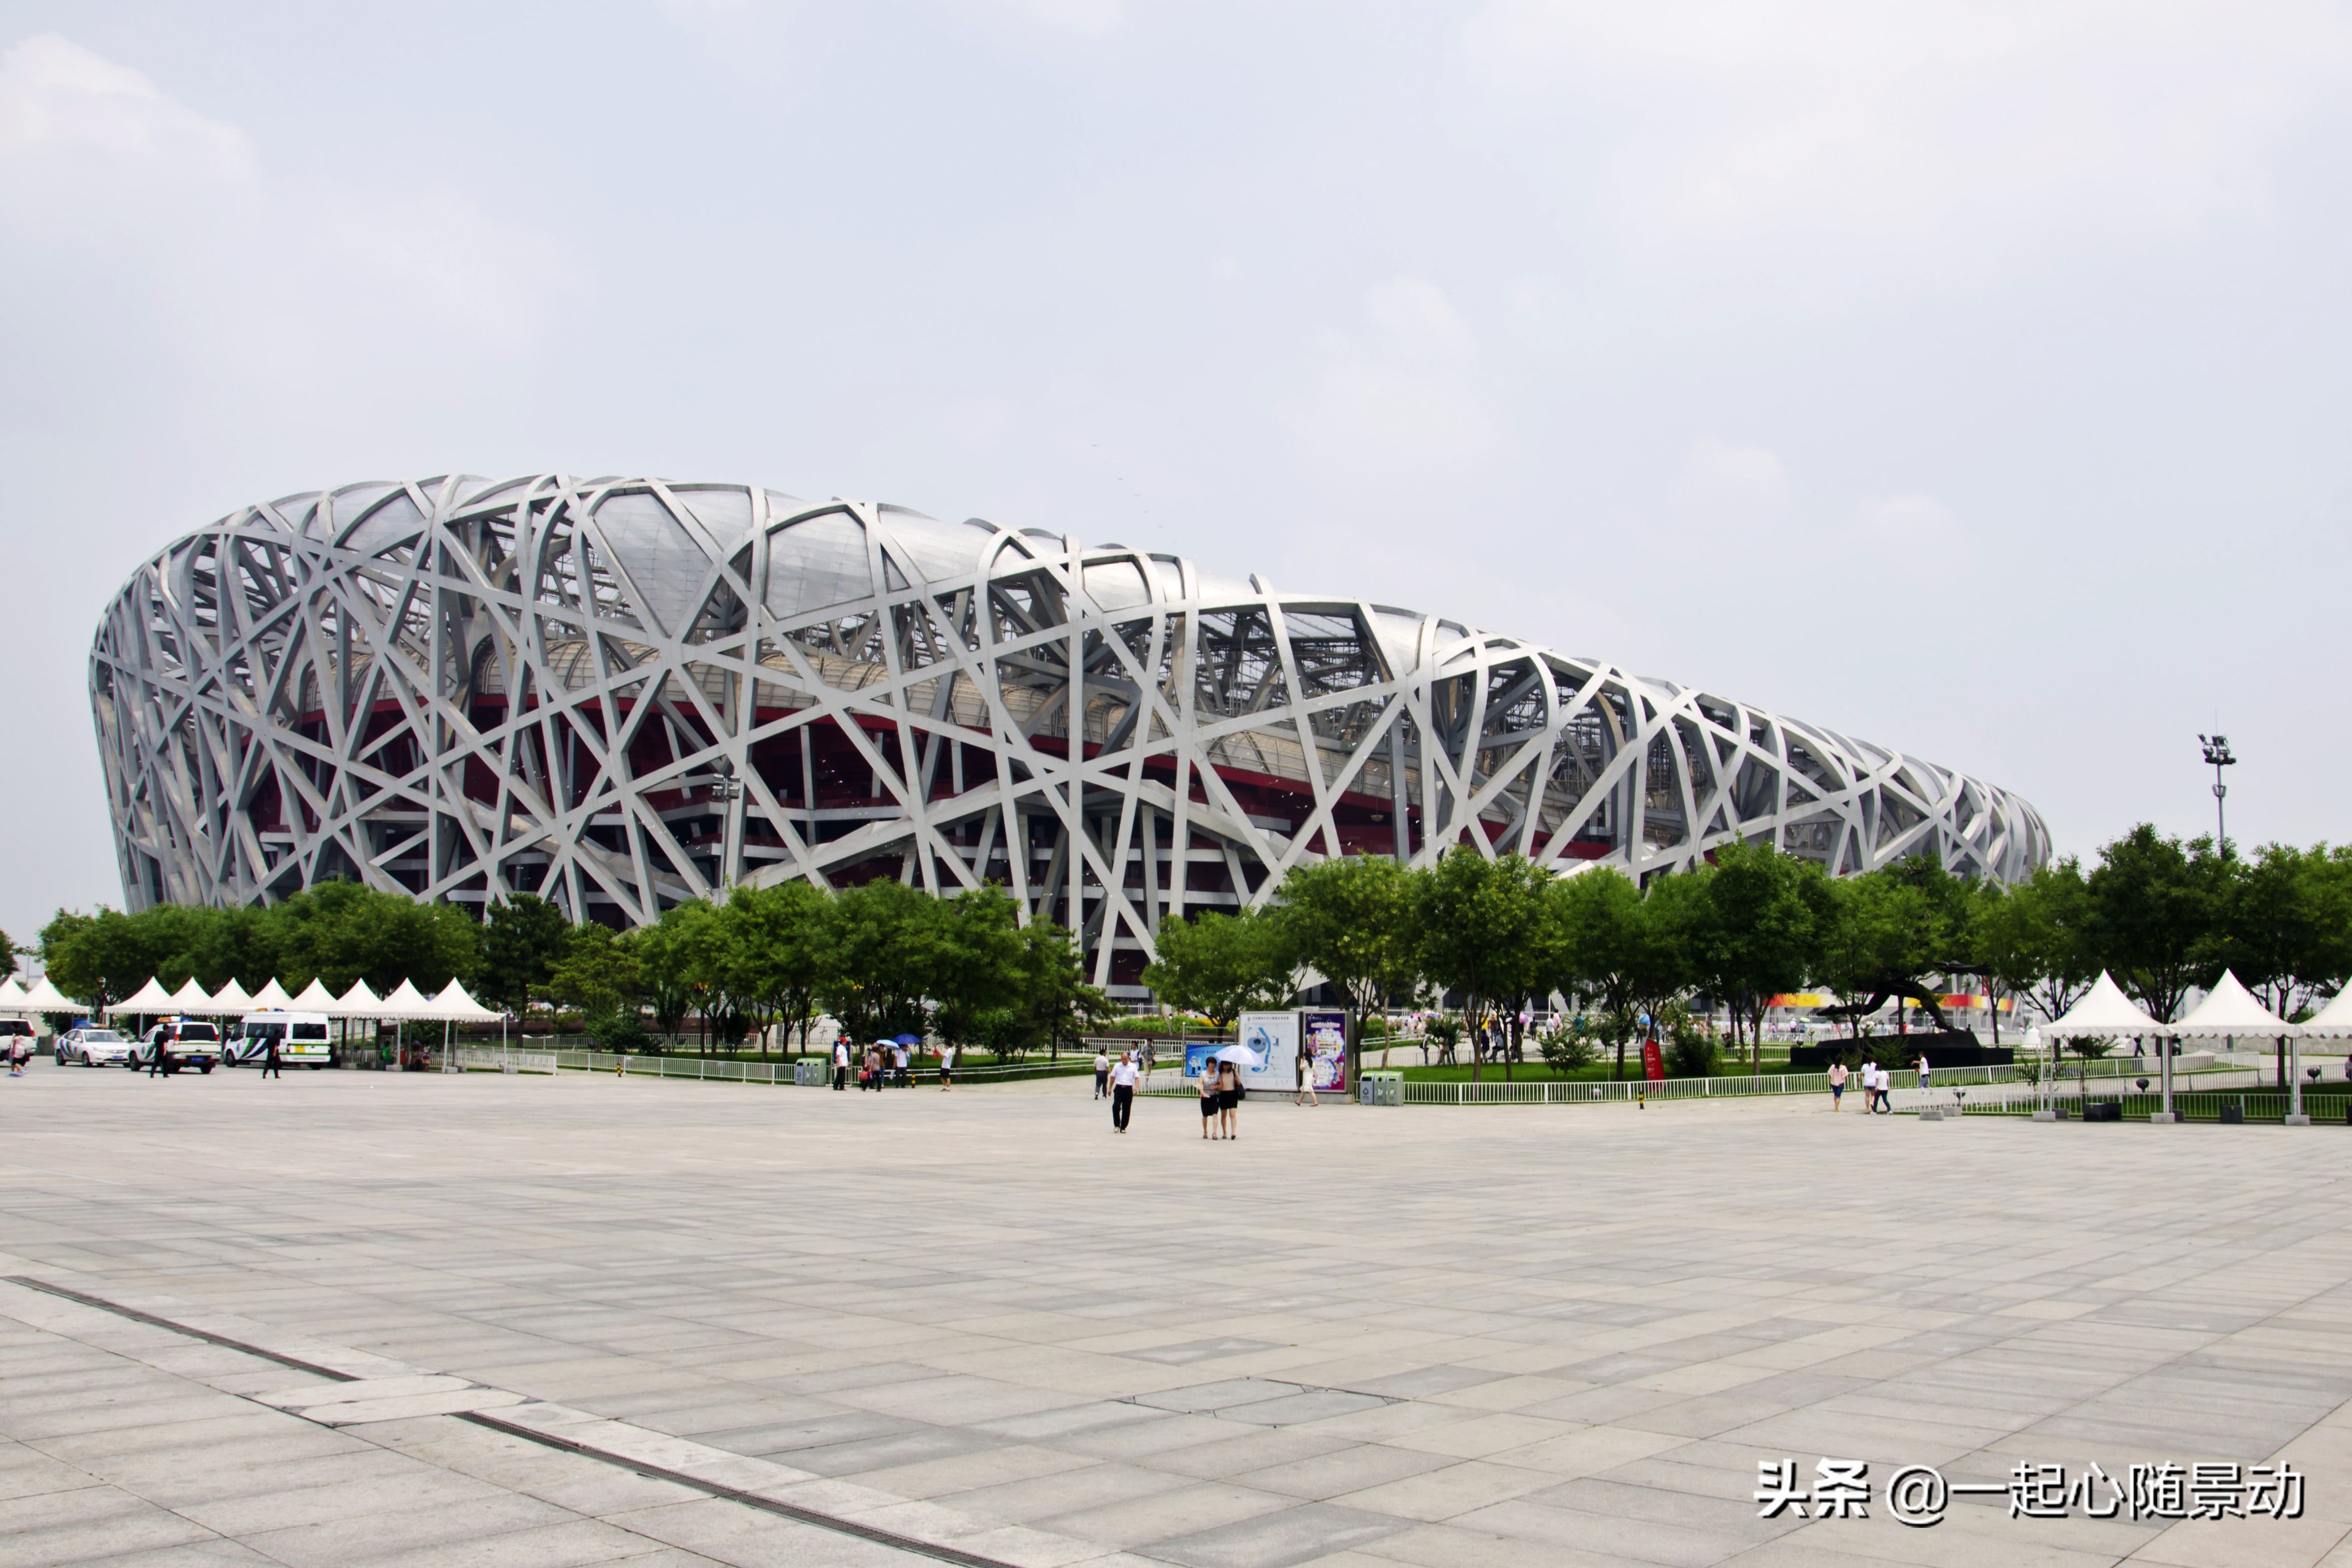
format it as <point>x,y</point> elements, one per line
<point>184,1043</point>
<point>89,1045</point>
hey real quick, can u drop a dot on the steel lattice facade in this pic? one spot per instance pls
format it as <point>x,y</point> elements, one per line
<point>462,688</point>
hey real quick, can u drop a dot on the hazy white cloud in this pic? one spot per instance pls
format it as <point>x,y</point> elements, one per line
<point>1077,16</point>
<point>262,285</point>
<point>1903,522</point>
<point>1724,485</point>
<point>1949,135</point>
<point>1419,319</point>
<point>80,135</point>
<point>1395,401</point>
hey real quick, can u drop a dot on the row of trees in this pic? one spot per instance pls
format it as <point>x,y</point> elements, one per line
<point>2164,916</point>
<point>883,958</point>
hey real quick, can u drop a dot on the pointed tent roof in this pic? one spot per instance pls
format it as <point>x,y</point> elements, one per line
<point>2333,1021</point>
<point>359,1002</point>
<point>2105,1012</point>
<point>43,997</point>
<point>407,1002</point>
<point>315,998</point>
<point>191,998</point>
<point>2228,1009</point>
<point>455,1003</point>
<point>231,999</point>
<point>273,995</point>
<point>150,997</point>
<point>12,995</point>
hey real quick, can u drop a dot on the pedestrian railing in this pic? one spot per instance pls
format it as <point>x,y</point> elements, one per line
<point>722,1070</point>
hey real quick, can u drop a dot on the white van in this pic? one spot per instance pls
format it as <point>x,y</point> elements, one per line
<point>301,1039</point>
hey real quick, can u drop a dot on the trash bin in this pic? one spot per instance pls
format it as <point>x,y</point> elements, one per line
<point>811,1074</point>
<point>1382,1087</point>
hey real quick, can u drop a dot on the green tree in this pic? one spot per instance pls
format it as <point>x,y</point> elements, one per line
<point>671,965</point>
<point>1057,1005</point>
<point>1223,965</point>
<point>780,945</point>
<point>523,936</point>
<point>1889,931</point>
<point>2032,938</point>
<point>2155,917</point>
<point>1756,931</point>
<point>2286,929</point>
<point>1484,929</point>
<point>977,961</point>
<point>599,974</point>
<point>1613,947</point>
<point>339,932</point>
<point>97,958</point>
<point>1351,921</point>
<point>885,934</point>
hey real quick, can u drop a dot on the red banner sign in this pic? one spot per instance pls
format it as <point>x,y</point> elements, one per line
<point>1653,1063</point>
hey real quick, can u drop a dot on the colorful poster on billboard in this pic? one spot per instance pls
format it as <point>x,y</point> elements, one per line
<point>1325,1031</point>
<point>1272,1041</point>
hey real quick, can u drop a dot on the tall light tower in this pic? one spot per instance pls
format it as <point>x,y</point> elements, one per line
<point>2217,756</point>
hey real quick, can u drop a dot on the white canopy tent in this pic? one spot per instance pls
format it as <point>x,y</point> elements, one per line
<point>149,999</point>
<point>2333,1021</point>
<point>2229,1012</point>
<point>231,1001</point>
<point>191,998</point>
<point>41,997</point>
<point>359,1002</point>
<point>2103,1013</point>
<point>12,997</point>
<point>315,998</point>
<point>456,1004</point>
<point>272,996</point>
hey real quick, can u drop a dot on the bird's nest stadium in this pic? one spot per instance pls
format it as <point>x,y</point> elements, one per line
<point>620,693</point>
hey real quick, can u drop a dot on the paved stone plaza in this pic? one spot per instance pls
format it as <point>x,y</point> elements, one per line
<point>524,1321</point>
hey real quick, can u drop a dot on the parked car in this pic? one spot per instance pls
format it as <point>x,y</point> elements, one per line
<point>87,1045</point>
<point>184,1043</point>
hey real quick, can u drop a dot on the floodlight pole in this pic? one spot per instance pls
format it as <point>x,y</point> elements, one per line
<point>2217,756</point>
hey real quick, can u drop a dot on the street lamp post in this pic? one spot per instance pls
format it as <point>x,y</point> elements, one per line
<point>2217,756</point>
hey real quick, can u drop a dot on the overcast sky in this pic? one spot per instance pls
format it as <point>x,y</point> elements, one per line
<point>1971,378</point>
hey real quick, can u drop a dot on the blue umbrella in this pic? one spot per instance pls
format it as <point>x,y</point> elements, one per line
<point>907,1039</point>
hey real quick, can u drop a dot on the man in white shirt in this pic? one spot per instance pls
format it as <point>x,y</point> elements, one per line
<point>901,1058</point>
<point>1923,1069</point>
<point>1122,1092</point>
<point>1102,1075</point>
<point>947,1068</point>
<point>840,1062</point>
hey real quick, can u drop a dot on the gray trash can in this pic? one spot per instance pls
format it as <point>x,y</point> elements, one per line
<point>1382,1087</point>
<point>808,1073</point>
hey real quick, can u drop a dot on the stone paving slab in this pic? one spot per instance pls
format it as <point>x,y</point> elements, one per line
<point>1518,1334</point>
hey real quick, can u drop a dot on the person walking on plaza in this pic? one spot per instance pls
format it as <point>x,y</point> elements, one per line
<point>1122,1092</point>
<point>270,1067</point>
<point>1306,1092</point>
<point>1837,1083</point>
<point>163,1053</point>
<point>947,1068</point>
<point>872,1078</point>
<point>1923,1069</point>
<point>902,1060</point>
<point>1869,1084</point>
<point>1229,1098</point>
<point>1102,1074</point>
<point>840,1063</point>
<point>1212,1102</point>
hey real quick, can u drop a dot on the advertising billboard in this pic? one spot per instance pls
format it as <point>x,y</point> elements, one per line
<point>1325,1031</point>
